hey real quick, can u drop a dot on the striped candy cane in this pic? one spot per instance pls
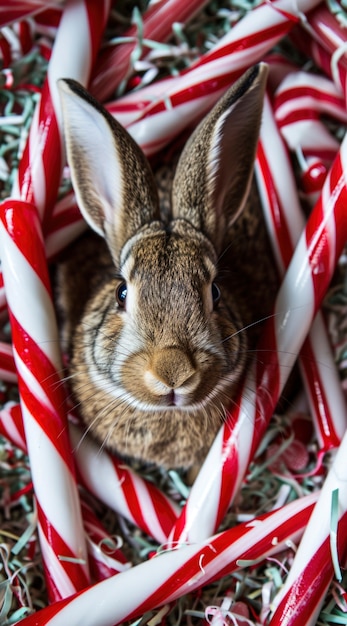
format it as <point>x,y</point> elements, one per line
<point>285,223</point>
<point>108,478</point>
<point>298,300</point>
<point>8,372</point>
<point>36,353</point>
<point>73,53</point>
<point>113,63</point>
<point>170,575</point>
<point>122,489</point>
<point>300,599</point>
<point>105,557</point>
<point>197,89</point>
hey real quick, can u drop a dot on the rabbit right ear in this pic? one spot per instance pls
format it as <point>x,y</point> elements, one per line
<point>215,169</point>
<point>112,179</point>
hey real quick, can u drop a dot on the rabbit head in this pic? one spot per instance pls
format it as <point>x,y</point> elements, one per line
<point>158,352</point>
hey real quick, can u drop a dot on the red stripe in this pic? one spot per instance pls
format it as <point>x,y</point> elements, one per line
<point>230,461</point>
<point>277,212</point>
<point>299,605</point>
<point>5,51</point>
<point>179,532</point>
<point>293,117</point>
<point>318,397</point>
<point>267,382</point>
<point>71,215</point>
<point>7,361</point>
<point>171,587</point>
<point>130,495</point>
<point>318,236</point>
<point>193,92</point>
<point>76,572</point>
<point>53,421</point>
<point>23,226</point>
<point>25,36</point>
<point>265,37</point>
<point>50,423</point>
<point>15,414</point>
<point>51,151</point>
<point>165,513</point>
<point>97,15</point>
<point>318,96</point>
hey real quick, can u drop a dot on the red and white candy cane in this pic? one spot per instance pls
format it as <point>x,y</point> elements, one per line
<point>11,425</point>
<point>74,51</point>
<point>323,39</point>
<point>122,489</point>
<point>298,300</point>
<point>113,63</point>
<point>65,225</point>
<point>171,575</point>
<point>285,222</point>
<point>106,477</point>
<point>8,372</point>
<point>300,599</point>
<point>105,556</point>
<point>14,10</point>
<point>198,88</point>
<point>300,101</point>
<point>37,358</point>
<point>105,559</point>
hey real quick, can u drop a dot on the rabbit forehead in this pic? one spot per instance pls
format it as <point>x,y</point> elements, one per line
<point>169,255</point>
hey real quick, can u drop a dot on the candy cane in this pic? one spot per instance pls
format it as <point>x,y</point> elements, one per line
<point>73,53</point>
<point>300,101</point>
<point>14,10</point>
<point>106,559</point>
<point>197,89</point>
<point>285,223</point>
<point>8,372</point>
<point>36,353</point>
<point>170,575</point>
<point>122,489</point>
<point>300,599</point>
<point>323,40</point>
<point>65,225</point>
<point>299,297</point>
<point>109,479</point>
<point>113,64</point>
<point>11,425</point>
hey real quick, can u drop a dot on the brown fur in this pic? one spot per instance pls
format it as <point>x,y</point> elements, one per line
<point>170,342</point>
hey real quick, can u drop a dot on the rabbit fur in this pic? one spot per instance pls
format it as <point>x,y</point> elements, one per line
<point>160,311</point>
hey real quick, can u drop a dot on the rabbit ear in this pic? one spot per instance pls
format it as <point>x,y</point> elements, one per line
<point>113,181</point>
<point>215,169</point>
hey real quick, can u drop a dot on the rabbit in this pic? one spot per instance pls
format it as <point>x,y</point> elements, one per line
<point>160,313</point>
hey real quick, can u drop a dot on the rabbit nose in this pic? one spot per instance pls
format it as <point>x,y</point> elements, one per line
<point>173,367</point>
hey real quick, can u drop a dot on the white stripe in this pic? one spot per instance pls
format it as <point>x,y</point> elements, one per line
<point>54,485</point>
<point>318,528</point>
<point>29,300</point>
<point>293,310</point>
<point>202,504</point>
<point>71,55</point>
<point>55,567</point>
<point>98,472</point>
<point>37,140</point>
<point>148,511</point>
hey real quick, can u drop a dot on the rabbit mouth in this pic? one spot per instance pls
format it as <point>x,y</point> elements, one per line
<point>174,399</point>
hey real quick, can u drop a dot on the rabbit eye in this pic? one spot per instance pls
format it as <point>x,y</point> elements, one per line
<point>215,294</point>
<point>121,294</point>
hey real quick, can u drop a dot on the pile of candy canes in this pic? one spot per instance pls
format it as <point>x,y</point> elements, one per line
<point>86,584</point>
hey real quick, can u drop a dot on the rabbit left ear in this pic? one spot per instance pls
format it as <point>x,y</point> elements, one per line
<point>215,170</point>
<point>112,179</point>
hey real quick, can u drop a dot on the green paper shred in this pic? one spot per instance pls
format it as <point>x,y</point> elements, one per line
<point>334,520</point>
